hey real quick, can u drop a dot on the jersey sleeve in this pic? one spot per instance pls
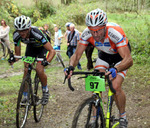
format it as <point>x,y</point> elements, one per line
<point>16,38</point>
<point>39,35</point>
<point>117,35</point>
<point>85,36</point>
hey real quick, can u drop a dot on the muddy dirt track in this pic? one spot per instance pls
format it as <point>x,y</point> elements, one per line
<point>58,113</point>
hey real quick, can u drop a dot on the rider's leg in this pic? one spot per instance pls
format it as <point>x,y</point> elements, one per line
<point>120,97</point>
<point>42,76</point>
<point>25,92</point>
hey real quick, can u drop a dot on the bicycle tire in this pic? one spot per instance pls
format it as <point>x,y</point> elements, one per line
<point>114,114</point>
<point>21,119</point>
<point>61,61</point>
<point>38,107</point>
<point>2,50</point>
<point>78,121</point>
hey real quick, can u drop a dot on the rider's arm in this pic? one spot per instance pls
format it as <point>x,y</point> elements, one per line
<point>127,59</point>
<point>52,52</point>
<point>18,50</point>
<point>77,55</point>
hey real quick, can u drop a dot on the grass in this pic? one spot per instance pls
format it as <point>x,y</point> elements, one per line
<point>9,86</point>
<point>135,27</point>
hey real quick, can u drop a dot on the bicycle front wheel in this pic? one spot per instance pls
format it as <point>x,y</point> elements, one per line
<point>38,107</point>
<point>23,107</point>
<point>83,114</point>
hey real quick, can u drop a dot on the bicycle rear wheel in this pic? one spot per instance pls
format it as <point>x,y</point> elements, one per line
<point>38,107</point>
<point>114,114</point>
<point>60,58</point>
<point>23,108</point>
<point>2,50</point>
<point>83,114</point>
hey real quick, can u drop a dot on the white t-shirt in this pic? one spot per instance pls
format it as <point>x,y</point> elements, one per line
<point>57,35</point>
<point>4,33</point>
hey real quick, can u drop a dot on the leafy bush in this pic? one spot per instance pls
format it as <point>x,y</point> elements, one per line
<point>45,8</point>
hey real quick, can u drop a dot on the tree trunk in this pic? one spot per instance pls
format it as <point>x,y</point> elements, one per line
<point>62,1</point>
<point>68,2</point>
<point>137,5</point>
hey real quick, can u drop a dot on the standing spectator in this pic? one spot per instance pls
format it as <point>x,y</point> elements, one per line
<point>57,39</point>
<point>4,34</point>
<point>46,27</point>
<point>88,52</point>
<point>68,29</point>
<point>73,39</point>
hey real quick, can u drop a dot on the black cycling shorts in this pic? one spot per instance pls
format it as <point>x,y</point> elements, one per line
<point>35,51</point>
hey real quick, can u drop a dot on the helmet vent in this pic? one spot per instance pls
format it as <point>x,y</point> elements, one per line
<point>20,20</point>
<point>23,21</point>
<point>91,21</point>
<point>23,26</point>
<point>96,20</point>
<point>19,25</point>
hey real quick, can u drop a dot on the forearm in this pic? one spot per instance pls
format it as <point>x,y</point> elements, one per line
<point>125,64</point>
<point>74,60</point>
<point>17,51</point>
<point>51,55</point>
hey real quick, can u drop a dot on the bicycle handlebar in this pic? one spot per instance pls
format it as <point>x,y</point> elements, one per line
<point>36,59</point>
<point>95,73</point>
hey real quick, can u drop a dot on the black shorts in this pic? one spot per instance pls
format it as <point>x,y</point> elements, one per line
<point>35,51</point>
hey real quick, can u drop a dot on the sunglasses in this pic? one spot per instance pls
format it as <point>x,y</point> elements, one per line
<point>96,29</point>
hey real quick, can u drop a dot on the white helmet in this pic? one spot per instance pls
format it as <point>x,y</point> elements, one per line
<point>68,24</point>
<point>22,22</point>
<point>96,18</point>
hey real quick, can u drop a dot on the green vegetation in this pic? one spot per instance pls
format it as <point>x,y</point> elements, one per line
<point>134,19</point>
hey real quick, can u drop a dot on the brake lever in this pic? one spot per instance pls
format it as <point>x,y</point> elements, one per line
<point>65,79</point>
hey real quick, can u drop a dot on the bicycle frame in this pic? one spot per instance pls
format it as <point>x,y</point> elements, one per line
<point>30,68</point>
<point>107,117</point>
<point>30,85</point>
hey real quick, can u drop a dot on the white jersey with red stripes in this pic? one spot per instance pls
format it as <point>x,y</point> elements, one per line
<point>115,38</point>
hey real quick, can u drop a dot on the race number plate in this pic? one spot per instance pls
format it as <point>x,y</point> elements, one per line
<point>94,83</point>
